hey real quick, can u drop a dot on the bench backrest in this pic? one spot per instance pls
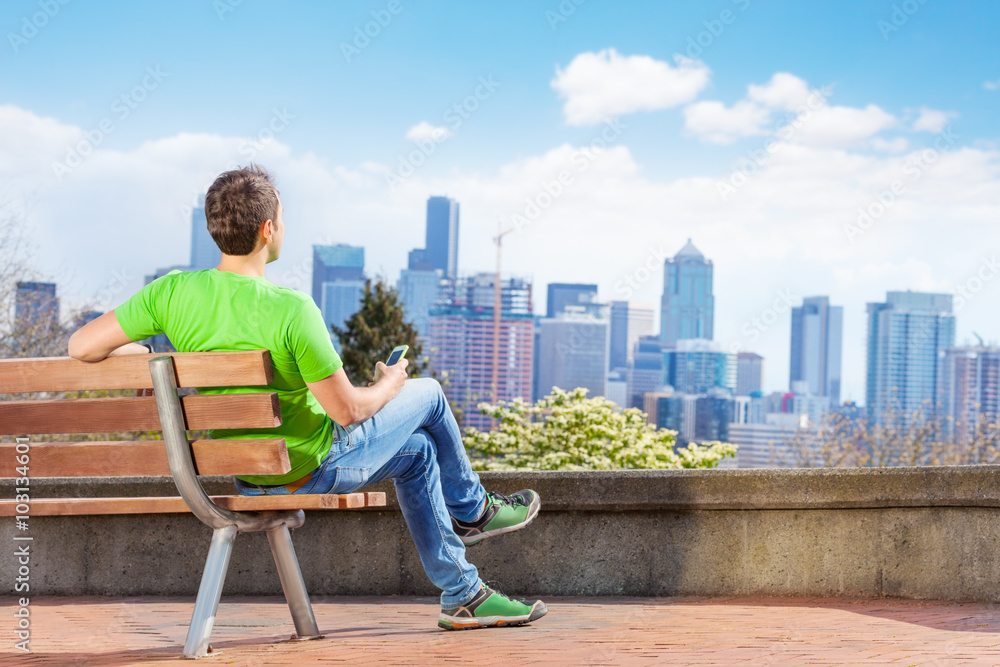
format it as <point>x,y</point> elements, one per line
<point>122,458</point>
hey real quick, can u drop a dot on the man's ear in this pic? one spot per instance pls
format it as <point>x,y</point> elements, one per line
<point>267,229</point>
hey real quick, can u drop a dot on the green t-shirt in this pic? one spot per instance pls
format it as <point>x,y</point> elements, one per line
<point>212,310</point>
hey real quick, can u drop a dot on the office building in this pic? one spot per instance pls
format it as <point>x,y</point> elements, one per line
<point>969,389</point>
<point>688,305</point>
<point>205,254</point>
<point>817,332</point>
<point>629,322</point>
<point>696,418</point>
<point>573,352</point>
<point>646,371</point>
<point>460,342</point>
<point>36,307</point>
<point>907,337</point>
<point>697,366</point>
<point>769,444</point>
<point>338,281</point>
<point>441,244</point>
<point>617,387</point>
<point>418,291</point>
<point>560,295</point>
<point>749,373</point>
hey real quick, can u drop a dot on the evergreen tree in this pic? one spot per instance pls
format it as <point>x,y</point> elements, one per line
<point>370,334</point>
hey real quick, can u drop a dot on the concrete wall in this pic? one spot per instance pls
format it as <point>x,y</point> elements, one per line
<point>913,533</point>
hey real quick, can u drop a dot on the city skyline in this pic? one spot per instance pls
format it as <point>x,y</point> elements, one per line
<point>803,149</point>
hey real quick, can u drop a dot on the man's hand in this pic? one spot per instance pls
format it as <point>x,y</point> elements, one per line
<point>395,375</point>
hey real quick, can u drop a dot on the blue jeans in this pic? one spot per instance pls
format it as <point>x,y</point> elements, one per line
<point>414,440</point>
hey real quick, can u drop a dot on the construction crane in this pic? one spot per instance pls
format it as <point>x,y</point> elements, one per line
<point>497,304</point>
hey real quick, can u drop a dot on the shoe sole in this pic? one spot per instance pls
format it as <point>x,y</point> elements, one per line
<point>532,513</point>
<point>465,623</point>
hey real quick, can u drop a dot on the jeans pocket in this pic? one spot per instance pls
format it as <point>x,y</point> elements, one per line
<point>347,479</point>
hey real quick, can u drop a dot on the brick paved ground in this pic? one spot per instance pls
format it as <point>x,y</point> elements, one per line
<point>577,631</point>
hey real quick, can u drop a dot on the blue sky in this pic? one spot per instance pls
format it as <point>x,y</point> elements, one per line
<point>890,95</point>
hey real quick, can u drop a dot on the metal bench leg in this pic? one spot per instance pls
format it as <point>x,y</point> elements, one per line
<point>292,583</point>
<point>209,592</point>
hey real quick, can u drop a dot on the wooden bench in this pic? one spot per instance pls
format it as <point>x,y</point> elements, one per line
<point>171,414</point>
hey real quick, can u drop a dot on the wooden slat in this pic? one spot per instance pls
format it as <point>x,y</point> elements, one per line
<point>175,505</point>
<point>107,415</point>
<point>194,369</point>
<point>142,458</point>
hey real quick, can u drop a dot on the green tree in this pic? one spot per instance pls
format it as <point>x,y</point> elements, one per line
<point>370,334</point>
<point>568,431</point>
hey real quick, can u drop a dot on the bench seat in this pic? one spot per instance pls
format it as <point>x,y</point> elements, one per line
<point>176,504</point>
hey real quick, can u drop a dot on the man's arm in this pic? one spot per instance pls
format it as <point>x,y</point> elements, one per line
<point>100,338</point>
<point>347,404</point>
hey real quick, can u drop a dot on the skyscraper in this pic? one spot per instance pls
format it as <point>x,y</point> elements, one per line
<point>338,281</point>
<point>969,389</point>
<point>645,371</point>
<point>697,366</point>
<point>560,295</point>
<point>36,306</point>
<point>205,254</point>
<point>460,342</point>
<point>573,352</point>
<point>817,332</point>
<point>749,373</point>
<point>688,305</point>
<point>441,246</point>
<point>418,291</point>
<point>629,322</point>
<point>907,336</point>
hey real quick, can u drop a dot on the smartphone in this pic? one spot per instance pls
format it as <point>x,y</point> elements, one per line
<point>398,353</point>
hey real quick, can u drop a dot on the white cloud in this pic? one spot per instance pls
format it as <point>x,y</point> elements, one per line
<point>835,126</point>
<point>785,98</point>
<point>603,85</point>
<point>124,212</point>
<point>715,123</point>
<point>784,91</point>
<point>424,131</point>
<point>992,85</point>
<point>896,145</point>
<point>932,120</point>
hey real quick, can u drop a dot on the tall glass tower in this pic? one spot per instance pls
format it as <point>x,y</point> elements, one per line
<point>817,331</point>
<point>907,337</point>
<point>688,305</point>
<point>205,254</point>
<point>441,247</point>
<point>338,281</point>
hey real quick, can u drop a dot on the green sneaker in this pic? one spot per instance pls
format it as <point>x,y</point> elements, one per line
<point>491,609</point>
<point>503,514</point>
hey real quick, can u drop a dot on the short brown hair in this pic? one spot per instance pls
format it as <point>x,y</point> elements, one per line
<point>236,205</point>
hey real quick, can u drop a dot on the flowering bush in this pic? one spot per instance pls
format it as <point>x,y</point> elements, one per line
<point>568,431</point>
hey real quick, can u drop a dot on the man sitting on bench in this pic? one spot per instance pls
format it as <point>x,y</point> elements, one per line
<point>339,437</point>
